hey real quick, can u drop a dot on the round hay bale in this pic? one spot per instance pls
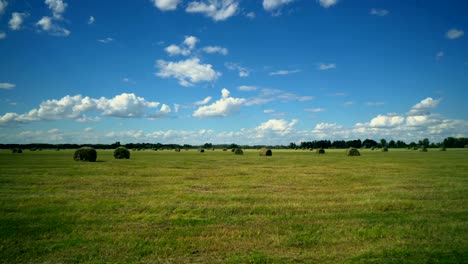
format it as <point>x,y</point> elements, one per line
<point>320,151</point>
<point>265,152</point>
<point>85,154</point>
<point>423,149</point>
<point>415,148</point>
<point>201,150</point>
<point>177,150</point>
<point>442,149</point>
<point>353,152</point>
<point>224,149</point>
<point>16,151</point>
<point>239,152</point>
<point>385,149</point>
<point>232,150</point>
<point>121,153</point>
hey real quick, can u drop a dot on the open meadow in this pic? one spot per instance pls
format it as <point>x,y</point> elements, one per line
<point>217,207</point>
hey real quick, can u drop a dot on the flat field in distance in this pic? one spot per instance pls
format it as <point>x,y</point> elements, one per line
<point>217,207</point>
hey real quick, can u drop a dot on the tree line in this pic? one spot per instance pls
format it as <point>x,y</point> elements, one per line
<point>450,142</point>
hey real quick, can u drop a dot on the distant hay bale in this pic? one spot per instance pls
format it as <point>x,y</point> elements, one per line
<point>121,153</point>
<point>442,149</point>
<point>265,152</point>
<point>224,149</point>
<point>373,148</point>
<point>415,148</point>
<point>177,150</point>
<point>233,149</point>
<point>85,154</point>
<point>311,149</point>
<point>201,150</point>
<point>239,152</point>
<point>16,151</point>
<point>212,149</point>
<point>422,149</point>
<point>385,149</point>
<point>320,151</point>
<point>352,152</point>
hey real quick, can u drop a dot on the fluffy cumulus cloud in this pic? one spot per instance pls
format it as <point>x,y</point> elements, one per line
<point>324,66</point>
<point>386,121</point>
<point>57,6</point>
<point>423,107</point>
<point>215,49</point>
<point>7,86</point>
<point>184,49</point>
<point>454,33</point>
<point>379,12</point>
<point>223,107</point>
<point>188,72</point>
<point>243,71</point>
<point>3,6</point>
<point>271,5</point>
<point>91,20</point>
<point>218,10</point>
<point>166,5</point>
<point>51,24</point>
<point>17,20</point>
<point>204,101</point>
<point>75,108</point>
<point>276,126</point>
<point>327,3</point>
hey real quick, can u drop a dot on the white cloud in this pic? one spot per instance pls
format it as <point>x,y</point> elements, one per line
<point>250,15</point>
<point>327,3</point>
<point>278,126</point>
<point>454,33</point>
<point>324,67</point>
<point>439,55</point>
<point>270,5</point>
<point>218,10</point>
<point>375,103</point>
<point>2,35</point>
<point>188,71</point>
<point>215,49</point>
<point>379,12</point>
<point>268,111</point>
<point>57,6</point>
<point>91,20</point>
<point>243,72</point>
<point>315,110</point>
<point>246,88</point>
<point>3,6</point>
<point>284,72</point>
<point>106,40</point>
<point>7,86</point>
<point>75,108</point>
<point>17,20</point>
<point>349,103</point>
<point>191,41</point>
<point>320,127</point>
<point>174,50</point>
<point>88,129</point>
<point>423,107</point>
<point>185,49</point>
<point>49,26</point>
<point>386,121</point>
<point>221,108</point>
<point>166,5</point>
<point>204,101</point>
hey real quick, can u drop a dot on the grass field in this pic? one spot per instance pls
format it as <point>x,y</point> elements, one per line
<point>215,207</point>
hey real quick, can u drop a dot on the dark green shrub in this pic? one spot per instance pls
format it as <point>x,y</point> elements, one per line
<point>85,154</point>
<point>121,153</point>
<point>385,149</point>
<point>201,150</point>
<point>16,151</point>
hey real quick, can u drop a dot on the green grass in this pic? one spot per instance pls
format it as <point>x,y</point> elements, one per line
<point>217,207</point>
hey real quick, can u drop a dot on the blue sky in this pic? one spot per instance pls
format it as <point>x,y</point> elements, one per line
<point>224,71</point>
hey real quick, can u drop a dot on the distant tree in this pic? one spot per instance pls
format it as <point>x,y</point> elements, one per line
<point>383,143</point>
<point>292,145</point>
<point>391,144</point>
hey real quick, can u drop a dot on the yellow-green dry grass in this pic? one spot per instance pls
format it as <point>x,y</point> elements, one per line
<point>294,207</point>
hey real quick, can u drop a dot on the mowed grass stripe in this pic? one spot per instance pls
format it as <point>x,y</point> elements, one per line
<point>217,207</point>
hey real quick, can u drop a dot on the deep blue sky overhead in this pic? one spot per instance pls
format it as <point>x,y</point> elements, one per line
<point>223,71</point>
